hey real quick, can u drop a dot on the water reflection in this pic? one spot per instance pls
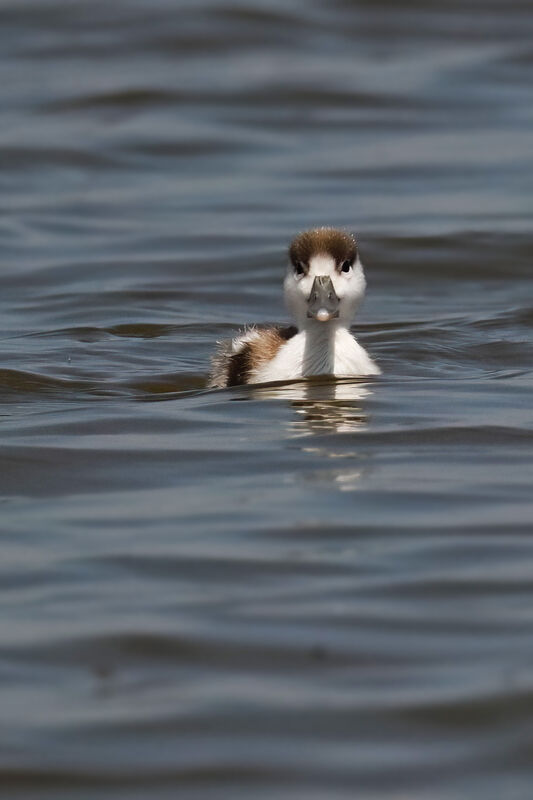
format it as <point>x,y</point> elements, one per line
<point>324,406</point>
<point>321,405</point>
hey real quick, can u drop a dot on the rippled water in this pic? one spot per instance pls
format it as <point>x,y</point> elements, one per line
<point>315,590</point>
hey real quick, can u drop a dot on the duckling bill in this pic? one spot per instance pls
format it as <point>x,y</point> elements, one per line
<point>324,286</point>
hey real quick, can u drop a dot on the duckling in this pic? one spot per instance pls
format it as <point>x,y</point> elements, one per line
<point>323,288</point>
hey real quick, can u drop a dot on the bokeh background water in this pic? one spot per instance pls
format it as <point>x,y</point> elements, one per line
<point>308,591</point>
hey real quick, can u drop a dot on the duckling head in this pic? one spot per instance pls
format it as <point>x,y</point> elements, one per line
<point>325,282</point>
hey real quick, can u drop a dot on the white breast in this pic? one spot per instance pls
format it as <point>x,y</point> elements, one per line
<point>305,355</point>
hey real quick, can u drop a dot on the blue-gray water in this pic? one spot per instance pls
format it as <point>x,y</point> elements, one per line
<point>308,592</point>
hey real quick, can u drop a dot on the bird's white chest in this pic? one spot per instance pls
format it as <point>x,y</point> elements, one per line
<point>305,355</point>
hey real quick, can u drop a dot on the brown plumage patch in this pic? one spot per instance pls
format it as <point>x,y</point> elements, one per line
<point>340,245</point>
<point>234,369</point>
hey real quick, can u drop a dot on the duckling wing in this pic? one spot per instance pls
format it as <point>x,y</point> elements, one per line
<point>235,359</point>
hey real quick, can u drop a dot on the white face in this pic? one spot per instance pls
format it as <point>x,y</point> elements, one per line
<point>348,281</point>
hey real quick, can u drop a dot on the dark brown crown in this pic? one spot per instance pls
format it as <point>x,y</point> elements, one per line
<point>340,245</point>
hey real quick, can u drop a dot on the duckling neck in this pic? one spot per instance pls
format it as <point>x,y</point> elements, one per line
<point>321,339</point>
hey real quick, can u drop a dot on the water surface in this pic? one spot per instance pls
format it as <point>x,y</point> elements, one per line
<point>311,590</point>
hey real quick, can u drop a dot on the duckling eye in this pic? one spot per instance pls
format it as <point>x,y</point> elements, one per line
<point>346,266</point>
<point>299,268</point>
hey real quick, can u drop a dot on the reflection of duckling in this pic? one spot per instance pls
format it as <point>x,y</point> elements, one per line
<point>322,407</point>
<point>327,416</point>
<point>324,286</point>
<point>320,404</point>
